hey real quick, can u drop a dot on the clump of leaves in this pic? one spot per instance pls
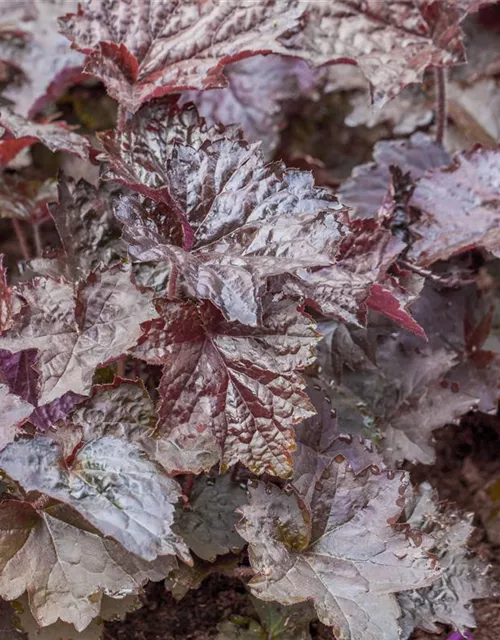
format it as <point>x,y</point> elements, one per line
<point>207,361</point>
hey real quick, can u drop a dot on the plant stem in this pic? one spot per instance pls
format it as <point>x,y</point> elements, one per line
<point>21,238</point>
<point>243,572</point>
<point>121,117</point>
<point>441,110</point>
<point>172,283</point>
<point>38,239</point>
<point>120,368</point>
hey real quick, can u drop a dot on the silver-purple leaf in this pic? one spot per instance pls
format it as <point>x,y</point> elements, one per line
<point>75,329</point>
<point>110,483</point>
<point>352,570</point>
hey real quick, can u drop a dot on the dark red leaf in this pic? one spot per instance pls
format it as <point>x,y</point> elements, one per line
<point>229,392</point>
<point>163,46</point>
<point>57,136</point>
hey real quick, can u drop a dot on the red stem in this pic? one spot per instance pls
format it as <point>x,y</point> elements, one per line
<point>243,572</point>
<point>172,282</point>
<point>121,117</point>
<point>21,238</point>
<point>441,108</point>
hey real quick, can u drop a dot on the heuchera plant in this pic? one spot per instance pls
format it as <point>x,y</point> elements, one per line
<point>219,365</point>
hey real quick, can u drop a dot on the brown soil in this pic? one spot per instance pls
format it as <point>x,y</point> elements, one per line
<point>468,459</point>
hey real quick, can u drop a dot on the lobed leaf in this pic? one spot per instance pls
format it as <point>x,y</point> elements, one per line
<point>459,207</point>
<point>56,136</point>
<point>77,328</point>
<point>154,48</point>
<point>402,398</point>
<point>399,41</point>
<point>242,221</point>
<point>84,221</point>
<point>64,564</point>
<point>233,389</point>
<point>111,609</point>
<point>449,599</point>
<point>369,183</point>
<point>352,567</point>
<point>108,481</point>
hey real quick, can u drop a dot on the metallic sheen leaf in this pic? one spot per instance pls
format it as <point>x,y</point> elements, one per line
<point>234,387</point>
<point>148,48</point>
<point>76,329</point>
<point>56,136</point>
<point>64,564</point>
<point>355,564</point>
<point>110,483</point>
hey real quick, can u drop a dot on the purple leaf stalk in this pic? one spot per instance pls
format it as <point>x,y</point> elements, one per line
<point>460,636</point>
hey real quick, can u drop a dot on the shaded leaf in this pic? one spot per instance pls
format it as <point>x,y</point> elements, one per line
<point>277,622</point>
<point>459,207</point>
<point>84,220</point>
<point>232,385</point>
<point>207,524</point>
<point>320,440</point>
<point>64,564</point>
<point>162,47</point>
<point>110,483</point>
<point>449,599</point>
<point>30,42</point>
<point>256,96</point>
<point>240,629</point>
<point>353,568</point>
<point>26,199</point>
<point>183,578</point>
<point>76,329</point>
<point>111,609</point>
<point>285,623</point>
<point>402,398</point>
<point>368,185</point>
<point>56,136</point>
<point>14,411</point>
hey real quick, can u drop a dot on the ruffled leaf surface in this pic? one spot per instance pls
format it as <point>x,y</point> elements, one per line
<point>234,389</point>
<point>108,482</point>
<point>77,328</point>
<point>64,564</point>
<point>352,567</point>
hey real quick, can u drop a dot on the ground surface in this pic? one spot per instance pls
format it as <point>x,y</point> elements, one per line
<point>468,460</point>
